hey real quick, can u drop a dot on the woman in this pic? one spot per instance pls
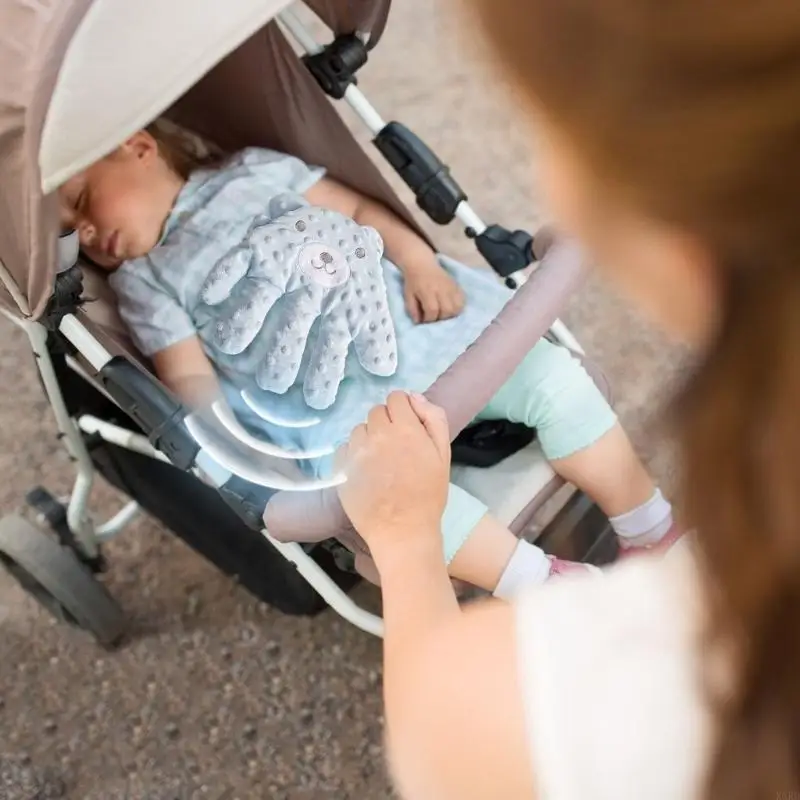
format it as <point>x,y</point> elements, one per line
<point>671,142</point>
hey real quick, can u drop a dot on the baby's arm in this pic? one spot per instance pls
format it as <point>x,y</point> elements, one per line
<point>403,246</point>
<point>185,369</point>
<point>431,294</point>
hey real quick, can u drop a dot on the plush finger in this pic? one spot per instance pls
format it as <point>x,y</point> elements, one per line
<point>287,339</point>
<point>327,362</point>
<point>227,272</point>
<point>374,339</point>
<point>239,319</point>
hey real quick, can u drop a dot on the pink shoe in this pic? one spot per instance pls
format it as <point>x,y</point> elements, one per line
<point>673,535</point>
<point>559,568</point>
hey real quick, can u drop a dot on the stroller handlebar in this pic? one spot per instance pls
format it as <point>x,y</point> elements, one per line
<point>462,390</point>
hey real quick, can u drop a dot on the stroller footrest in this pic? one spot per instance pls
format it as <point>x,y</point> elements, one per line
<point>153,407</point>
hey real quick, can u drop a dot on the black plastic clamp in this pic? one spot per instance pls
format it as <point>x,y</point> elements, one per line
<point>153,407</point>
<point>335,66</point>
<point>437,192</point>
<point>506,251</point>
<point>67,298</point>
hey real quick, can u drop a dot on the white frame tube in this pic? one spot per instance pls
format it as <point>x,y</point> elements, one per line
<point>78,519</point>
<point>77,334</point>
<point>122,437</point>
<point>337,599</point>
<point>118,523</point>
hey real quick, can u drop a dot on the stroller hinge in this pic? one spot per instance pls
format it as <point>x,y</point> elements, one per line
<point>506,251</point>
<point>67,298</point>
<point>437,192</point>
<point>336,64</point>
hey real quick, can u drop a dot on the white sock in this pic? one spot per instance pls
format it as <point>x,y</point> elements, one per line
<point>647,523</point>
<point>528,566</point>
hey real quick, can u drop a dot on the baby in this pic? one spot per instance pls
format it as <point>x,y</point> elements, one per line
<point>161,221</point>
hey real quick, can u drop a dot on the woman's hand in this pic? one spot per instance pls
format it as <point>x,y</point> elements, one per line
<point>398,470</point>
<point>431,294</point>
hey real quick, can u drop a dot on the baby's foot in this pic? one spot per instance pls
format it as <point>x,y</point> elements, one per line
<point>628,547</point>
<point>559,568</point>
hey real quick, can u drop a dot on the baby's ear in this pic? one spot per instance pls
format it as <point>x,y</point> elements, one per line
<point>141,146</point>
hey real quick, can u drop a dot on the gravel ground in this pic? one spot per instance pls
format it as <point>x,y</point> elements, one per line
<point>215,696</point>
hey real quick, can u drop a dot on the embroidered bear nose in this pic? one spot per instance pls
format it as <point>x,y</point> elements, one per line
<point>326,257</point>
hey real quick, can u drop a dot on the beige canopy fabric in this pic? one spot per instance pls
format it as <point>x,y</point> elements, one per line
<point>260,93</point>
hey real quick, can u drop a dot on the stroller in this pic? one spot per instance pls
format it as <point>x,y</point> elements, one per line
<point>229,72</point>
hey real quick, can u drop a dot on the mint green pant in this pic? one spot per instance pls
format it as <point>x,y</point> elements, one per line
<point>552,392</point>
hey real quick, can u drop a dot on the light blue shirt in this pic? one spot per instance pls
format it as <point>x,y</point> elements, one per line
<point>158,297</point>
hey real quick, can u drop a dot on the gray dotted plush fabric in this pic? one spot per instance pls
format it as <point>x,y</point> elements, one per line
<point>320,265</point>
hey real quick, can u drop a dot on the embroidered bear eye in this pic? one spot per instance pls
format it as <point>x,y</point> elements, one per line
<point>300,225</point>
<point>360,252</point>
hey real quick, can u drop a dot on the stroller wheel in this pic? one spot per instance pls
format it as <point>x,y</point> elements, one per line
<point>57,580</point>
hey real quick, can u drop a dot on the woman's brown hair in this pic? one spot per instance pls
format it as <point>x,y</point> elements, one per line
<point>693,107</point>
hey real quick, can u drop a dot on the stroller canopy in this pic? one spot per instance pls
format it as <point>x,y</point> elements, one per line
<point>78,77</point>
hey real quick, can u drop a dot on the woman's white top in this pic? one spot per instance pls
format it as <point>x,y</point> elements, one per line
<point>612,681</point>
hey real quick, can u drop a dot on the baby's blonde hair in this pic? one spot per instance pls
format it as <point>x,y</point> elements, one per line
<point>183,150</point>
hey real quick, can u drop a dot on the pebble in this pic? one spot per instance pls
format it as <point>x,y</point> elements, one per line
<point>306,716</point>
<point>272,648</point>
<point>172,731</point>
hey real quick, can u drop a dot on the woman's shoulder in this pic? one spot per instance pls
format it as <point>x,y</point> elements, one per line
<point>613,678</point>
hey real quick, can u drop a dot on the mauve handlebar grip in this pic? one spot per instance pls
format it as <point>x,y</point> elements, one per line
<point>463,390</point>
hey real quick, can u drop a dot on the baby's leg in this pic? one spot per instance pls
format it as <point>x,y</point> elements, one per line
<point>581,437</point>
<point>482,551</point>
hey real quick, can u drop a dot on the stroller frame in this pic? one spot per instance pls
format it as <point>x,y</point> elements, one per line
<point>87,534</point>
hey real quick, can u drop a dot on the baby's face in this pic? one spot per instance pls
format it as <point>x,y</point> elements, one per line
<point>119,205</point>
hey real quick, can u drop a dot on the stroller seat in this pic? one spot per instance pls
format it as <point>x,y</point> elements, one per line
<point>239,83</point>
<point>514,489</point>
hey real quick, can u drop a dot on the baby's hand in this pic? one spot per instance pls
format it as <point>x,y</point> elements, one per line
<point>431,294</point>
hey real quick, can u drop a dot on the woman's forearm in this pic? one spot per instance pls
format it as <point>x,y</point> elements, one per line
<point>416,589</point>
<point>418,602</point>
<point>439,660</point>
